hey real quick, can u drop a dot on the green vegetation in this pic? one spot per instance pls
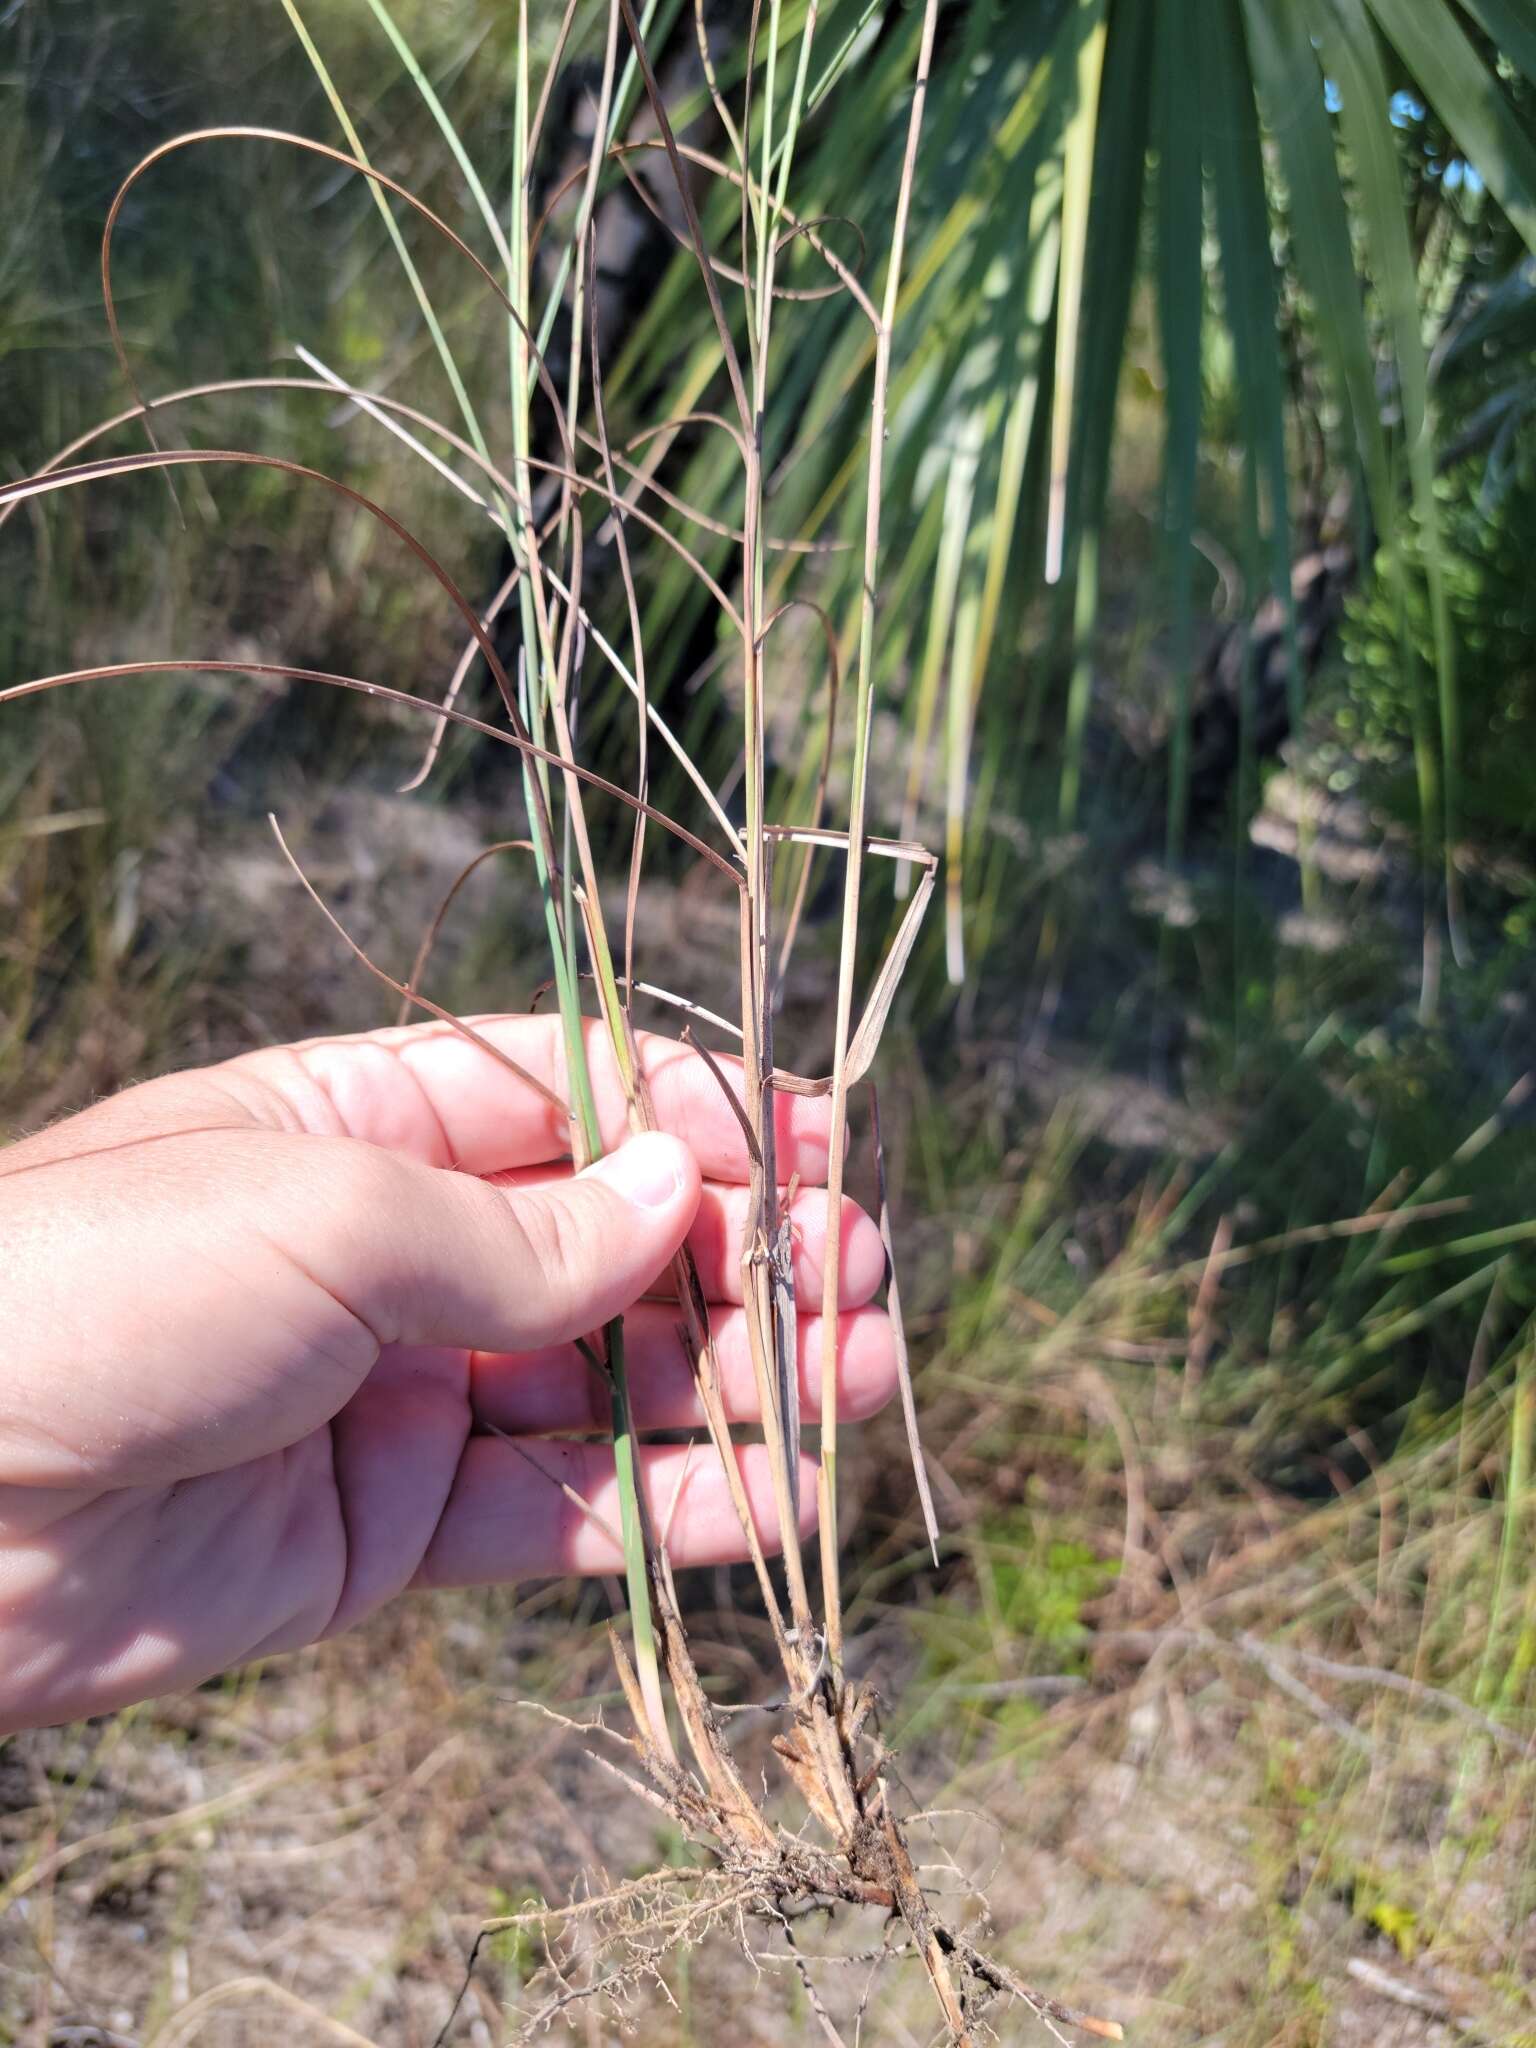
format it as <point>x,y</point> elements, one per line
<point>1211,1118</point>
<point>1488,522</point>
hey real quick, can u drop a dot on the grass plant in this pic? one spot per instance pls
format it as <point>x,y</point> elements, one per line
<point>831,459</point>
<point>826,1745</point>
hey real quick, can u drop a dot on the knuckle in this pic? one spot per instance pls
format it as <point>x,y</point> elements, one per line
<point>364,1187</point>
<point>559,1235</point>
<point>365,1179</point>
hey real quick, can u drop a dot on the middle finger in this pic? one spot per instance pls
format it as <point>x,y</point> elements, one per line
<point>547,1392</point>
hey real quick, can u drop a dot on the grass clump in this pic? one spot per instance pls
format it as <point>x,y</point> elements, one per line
<point>560,486</point>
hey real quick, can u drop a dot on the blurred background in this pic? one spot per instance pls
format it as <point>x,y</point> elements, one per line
<point>1205,656</point>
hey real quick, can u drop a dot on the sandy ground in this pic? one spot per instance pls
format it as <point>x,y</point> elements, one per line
<point>305,1852</point>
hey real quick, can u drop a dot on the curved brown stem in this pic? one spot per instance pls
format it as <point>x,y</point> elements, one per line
<point>332,155</point>
<point>409,995</point>
<point>114,671</point>
<point>429,937</point>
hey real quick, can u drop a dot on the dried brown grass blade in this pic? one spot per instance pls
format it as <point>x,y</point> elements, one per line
<point>728,1093</point>
<point>806,230</point>
<point>187,2024</point>
<point>712,83</point>
<point>114,671</point>
<point>647,435</point>
<point>696,517</point>
<point>786,1349</point>
<point>865,1042</point>
<point>410,995</point>
<point>169,459</point>
<point>583,1507</point>
<point>740,1815</point>
<point>695,228</point>
<point>456,682</point>
<point>245,133</point>
<point>705,1367</point>
<point>698,1346</point>
<point>639,1710</point>
<point>626,506</point>
<point>429,938</point>
<point>899,1333</point>
<point>783,1443</point>
<point>556,59</point>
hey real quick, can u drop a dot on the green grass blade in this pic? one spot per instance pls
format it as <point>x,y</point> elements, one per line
<point>1250,291</point>
<point>392,228</point>
<point>636,1540</point>
<point>1353,58</point>
<point>1512,27</point>
<point>1470,101</point>
<point>982,610</point>
<point>1461,1247</point>
<point>1085,33</point>
<point>959,494</point>
<point>513,255</point>
<point>1042,243</point>
<point>1181,320</point>
<point>1291,90</point>
<point>1514,1515</point>
<point>1119,175</point>
<point>1290,83</point>
<point>981,430</point>
<point>840,57</point>
<point>450,134</point>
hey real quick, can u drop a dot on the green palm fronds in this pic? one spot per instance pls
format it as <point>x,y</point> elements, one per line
<point>1247,158</point>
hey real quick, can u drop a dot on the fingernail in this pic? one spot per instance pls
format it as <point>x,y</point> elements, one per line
<point>645,1171</point>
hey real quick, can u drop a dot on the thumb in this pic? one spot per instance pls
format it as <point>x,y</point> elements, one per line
<point>241,1282</point>
<point>536,1266</point>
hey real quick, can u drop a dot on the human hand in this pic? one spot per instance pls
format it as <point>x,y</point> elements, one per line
<point>257,1322</point>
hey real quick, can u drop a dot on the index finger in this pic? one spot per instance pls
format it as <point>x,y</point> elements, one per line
<point>433,1094</point>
